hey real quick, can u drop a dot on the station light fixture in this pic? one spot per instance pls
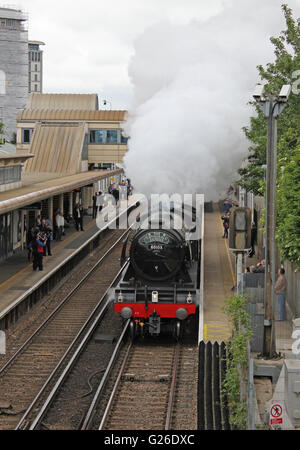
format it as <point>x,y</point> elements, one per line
<point>240,229</point>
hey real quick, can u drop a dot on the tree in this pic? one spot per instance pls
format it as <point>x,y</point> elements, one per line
<point>283,70</point>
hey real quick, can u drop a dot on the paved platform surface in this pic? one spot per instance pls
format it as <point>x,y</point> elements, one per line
<point>16,274</point>
<point>218,278</point>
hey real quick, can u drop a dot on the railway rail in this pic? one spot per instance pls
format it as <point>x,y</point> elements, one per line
<point>146,389</point>
<point>29,368</point>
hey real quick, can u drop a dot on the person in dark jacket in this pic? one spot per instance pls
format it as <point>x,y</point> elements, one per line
<point>225,219</point>
<point>37,245</point>
<point>95,205</point>
<point>29,238</point>
<point>78,216</point>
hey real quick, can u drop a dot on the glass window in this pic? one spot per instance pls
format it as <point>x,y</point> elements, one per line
<point>97,137</point>
<point>27,134</point>
<point>112,136</point>
<point>35,88</point>
<point>35,68</point>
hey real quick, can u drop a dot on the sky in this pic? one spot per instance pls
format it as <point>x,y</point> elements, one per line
<point>89,43</point>
<point>185,70</point>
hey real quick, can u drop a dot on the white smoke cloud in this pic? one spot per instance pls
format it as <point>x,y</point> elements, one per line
<point>191,85</point>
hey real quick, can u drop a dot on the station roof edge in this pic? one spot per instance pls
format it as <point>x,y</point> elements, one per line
<point>24,196</point>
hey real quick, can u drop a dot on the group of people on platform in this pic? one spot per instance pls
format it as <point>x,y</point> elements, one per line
<point>40,236</point>
<point>119,191</point>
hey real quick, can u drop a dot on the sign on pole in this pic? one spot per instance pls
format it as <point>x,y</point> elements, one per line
<point>276,414</point>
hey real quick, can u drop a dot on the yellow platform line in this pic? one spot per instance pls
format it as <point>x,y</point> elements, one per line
<point>216,332</point>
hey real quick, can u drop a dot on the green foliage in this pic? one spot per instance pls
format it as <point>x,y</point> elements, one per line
<point>288,207</point>
<point>237,364</point>
<point>274,75</point>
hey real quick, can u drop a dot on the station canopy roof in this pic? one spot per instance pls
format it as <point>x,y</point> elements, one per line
<point>35,189</point>
<point>72,115</point>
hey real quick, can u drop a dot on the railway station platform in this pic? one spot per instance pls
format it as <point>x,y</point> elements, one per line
<point>16,275</point>
<point>219,278</point>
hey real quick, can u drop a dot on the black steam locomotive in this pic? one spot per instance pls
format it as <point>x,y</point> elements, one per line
<point>159,288</point>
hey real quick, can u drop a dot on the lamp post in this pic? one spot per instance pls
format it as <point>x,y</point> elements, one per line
<point>272,106</point>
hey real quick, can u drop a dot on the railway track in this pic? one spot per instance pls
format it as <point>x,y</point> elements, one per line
<point>146,393</point>
<point>25,373</point>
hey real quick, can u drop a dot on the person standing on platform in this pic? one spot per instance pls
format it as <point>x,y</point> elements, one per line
<point>37,246</point>
<point>95,205</point>
<point>78,216</point>
<point>225,219</point>
<point>29,238</point>
<point>280,291</point>
<point>49,236</point>
<point>60,222</point>
<point>99,202</point>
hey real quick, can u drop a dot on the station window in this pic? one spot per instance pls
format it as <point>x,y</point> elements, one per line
<point>97,137</point>
<point>112,136</point>
<point>10,174</point>
<point>26,135</point>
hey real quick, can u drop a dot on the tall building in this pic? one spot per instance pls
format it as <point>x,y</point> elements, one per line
<point>13,67</point>
<point>35,66</point>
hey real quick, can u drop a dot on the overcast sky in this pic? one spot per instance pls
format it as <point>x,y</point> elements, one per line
<point>89,43</point>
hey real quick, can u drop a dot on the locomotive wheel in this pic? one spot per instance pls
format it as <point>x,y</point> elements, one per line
<point>132,330</point>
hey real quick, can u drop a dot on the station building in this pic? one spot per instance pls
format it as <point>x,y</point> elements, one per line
<point>66,150</point>
<point>13,67</point>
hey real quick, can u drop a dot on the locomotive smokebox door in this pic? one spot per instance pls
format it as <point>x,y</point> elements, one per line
<point>157,255</point>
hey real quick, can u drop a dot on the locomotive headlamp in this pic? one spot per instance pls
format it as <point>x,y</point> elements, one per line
<point>154,296</point>
<point>181,313</point>
<point>189,298</point>
<point>126,312</point>
<point>120,297</point>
